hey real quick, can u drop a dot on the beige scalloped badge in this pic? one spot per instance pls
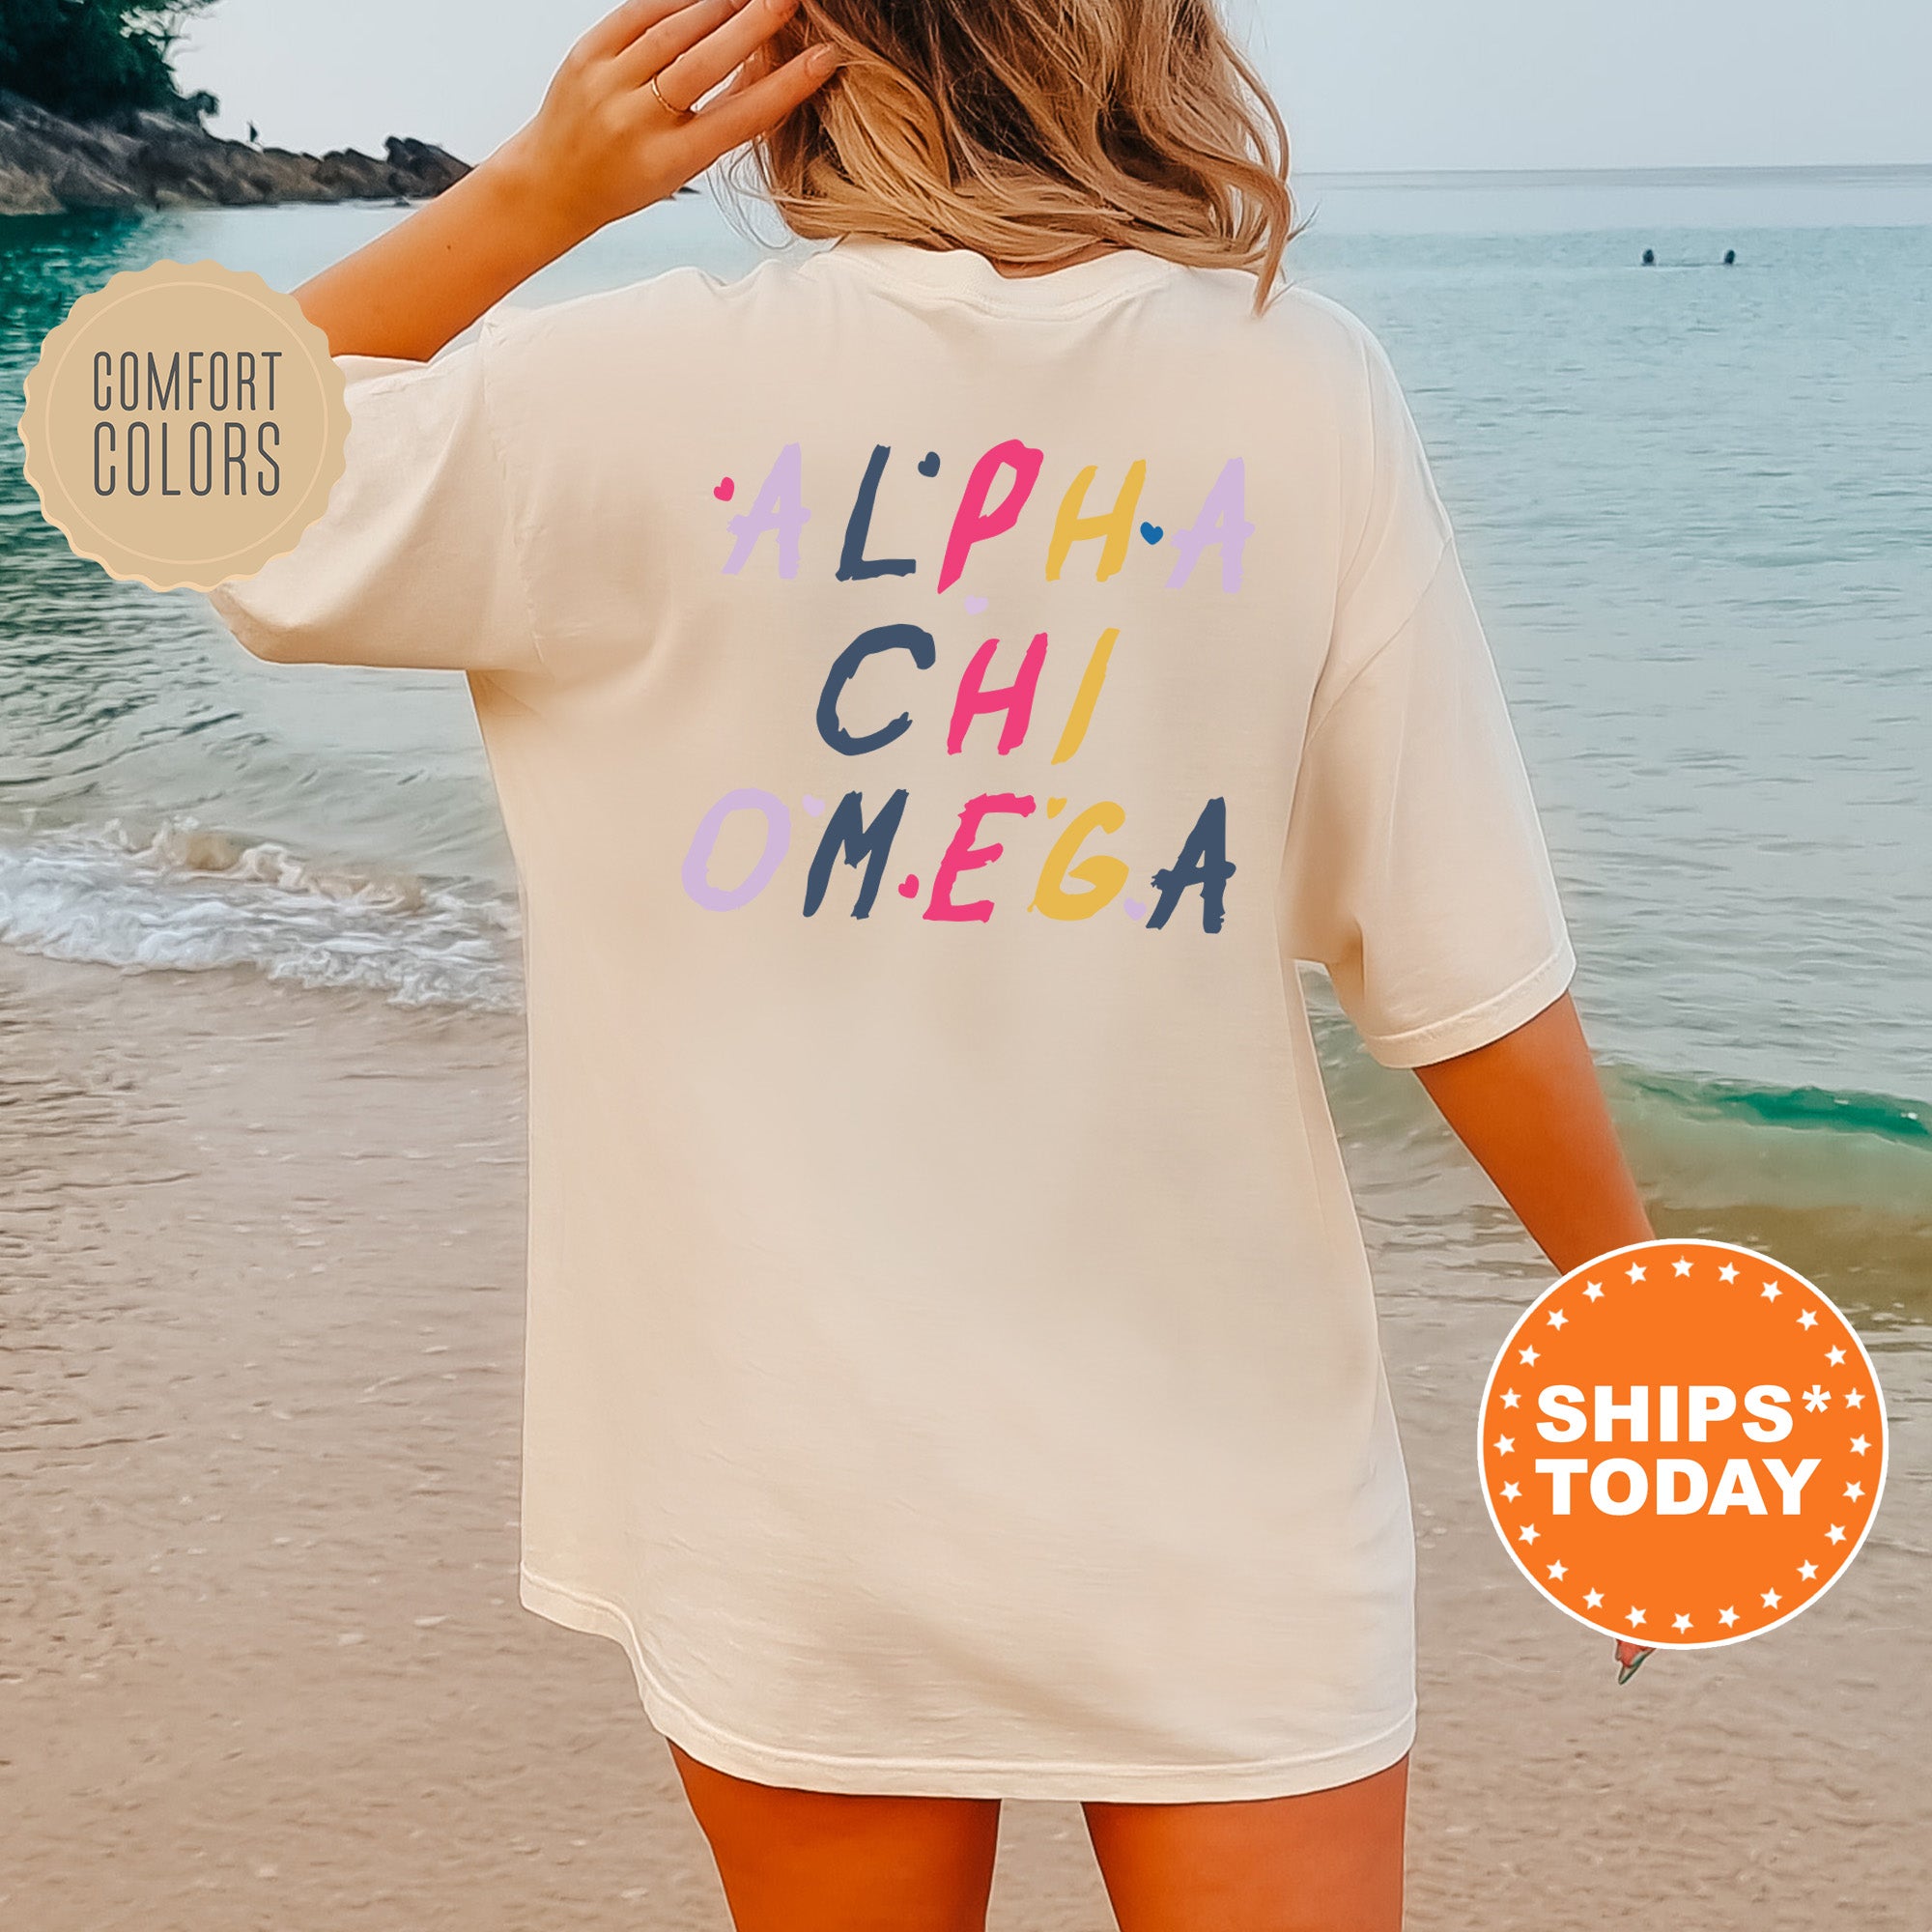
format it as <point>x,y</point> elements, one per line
<point>184,424</point>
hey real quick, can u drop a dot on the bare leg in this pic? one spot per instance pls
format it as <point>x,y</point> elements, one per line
<point>1330,1861</point>
<point>820,1861</point>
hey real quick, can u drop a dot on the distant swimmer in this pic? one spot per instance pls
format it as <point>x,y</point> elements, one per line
<point>1730,258</point>
<point>1650,258</point>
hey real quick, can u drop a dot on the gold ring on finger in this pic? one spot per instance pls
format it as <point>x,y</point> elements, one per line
<point>675,113</point>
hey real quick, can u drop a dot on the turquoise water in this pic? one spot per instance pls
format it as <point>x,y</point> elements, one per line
<point>1695,504</point>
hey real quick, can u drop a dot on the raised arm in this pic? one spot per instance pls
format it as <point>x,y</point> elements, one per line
<point>1530,1108</point>
<point>603,144</point>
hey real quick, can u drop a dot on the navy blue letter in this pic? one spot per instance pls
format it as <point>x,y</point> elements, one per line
<point>1202,863</point>
<point>881,637</point>
<point>852,559</point>
<point>864,844</point>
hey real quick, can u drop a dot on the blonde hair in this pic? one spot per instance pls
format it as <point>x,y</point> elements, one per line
<point>1028,130</point>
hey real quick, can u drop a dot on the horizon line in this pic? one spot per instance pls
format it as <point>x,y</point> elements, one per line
<point>1695,174</point>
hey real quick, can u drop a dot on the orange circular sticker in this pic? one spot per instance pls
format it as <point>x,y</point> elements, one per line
<point>184,424</point>
<point>1683,1444</point>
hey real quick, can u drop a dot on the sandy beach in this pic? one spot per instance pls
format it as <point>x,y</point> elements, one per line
<point>261,1662</point>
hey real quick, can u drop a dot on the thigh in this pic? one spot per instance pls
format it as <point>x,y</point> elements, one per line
<point>821,1862</point>
<point>1329,1862</point>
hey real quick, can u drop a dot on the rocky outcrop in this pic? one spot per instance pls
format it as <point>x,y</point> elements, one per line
<point>49,165</point>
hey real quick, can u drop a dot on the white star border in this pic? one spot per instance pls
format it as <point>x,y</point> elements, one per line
<point>1593,1273</point>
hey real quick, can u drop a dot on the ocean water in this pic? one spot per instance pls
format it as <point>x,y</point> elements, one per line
<point>1695,504</point>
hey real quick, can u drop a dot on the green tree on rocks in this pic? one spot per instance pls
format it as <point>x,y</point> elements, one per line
<point>99,60</point>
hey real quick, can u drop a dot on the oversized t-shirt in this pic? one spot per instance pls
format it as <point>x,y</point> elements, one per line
<point>931,713</point>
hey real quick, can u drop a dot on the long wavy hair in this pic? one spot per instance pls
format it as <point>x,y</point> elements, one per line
<point>1028,130</point>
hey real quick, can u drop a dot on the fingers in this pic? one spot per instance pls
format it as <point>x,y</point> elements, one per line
<point>618,29</point>
<point>691,57</point>
<point>653,53</point>
<point>746,111</point>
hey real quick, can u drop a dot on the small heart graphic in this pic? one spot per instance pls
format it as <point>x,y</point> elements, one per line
<point>909,886</point>
<point>722,491</point>
<point>815,805</point>
<point>976,604</point>
<point>1153,532</point>
<point>929,463</point>
<point>1134,910</point>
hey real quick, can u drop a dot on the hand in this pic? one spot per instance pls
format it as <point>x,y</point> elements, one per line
<point>603,144</point>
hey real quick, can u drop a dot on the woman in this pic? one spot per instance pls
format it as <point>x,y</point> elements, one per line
<point>936,690</point>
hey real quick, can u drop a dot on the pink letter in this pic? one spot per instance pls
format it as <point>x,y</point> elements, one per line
<point>1015,699</point>
<point>963,856</point>
<point>973,520</point>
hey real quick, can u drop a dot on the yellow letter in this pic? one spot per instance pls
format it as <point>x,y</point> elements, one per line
<point>1103,875</point>
<point>1069,527</point>
<point>1084,698</point>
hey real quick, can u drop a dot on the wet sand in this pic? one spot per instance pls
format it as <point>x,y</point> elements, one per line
<point>262,1662</point>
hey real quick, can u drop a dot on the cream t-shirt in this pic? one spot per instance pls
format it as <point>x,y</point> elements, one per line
<point>931,712</point>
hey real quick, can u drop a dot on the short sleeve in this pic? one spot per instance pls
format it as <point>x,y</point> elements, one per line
<point>1416,871</point>
<point>414,563</point>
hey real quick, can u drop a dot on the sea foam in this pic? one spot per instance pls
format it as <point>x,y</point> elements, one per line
<point>184,897</point>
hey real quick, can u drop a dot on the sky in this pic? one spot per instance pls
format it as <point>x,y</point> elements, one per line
<point>1365,85</point>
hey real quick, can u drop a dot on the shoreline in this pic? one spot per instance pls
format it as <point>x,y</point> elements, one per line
<point>146,160</point>
<point>260,1250</point>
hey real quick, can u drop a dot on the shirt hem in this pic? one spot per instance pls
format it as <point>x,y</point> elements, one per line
<point>956,1777</point>
<point>1480,1026</point>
